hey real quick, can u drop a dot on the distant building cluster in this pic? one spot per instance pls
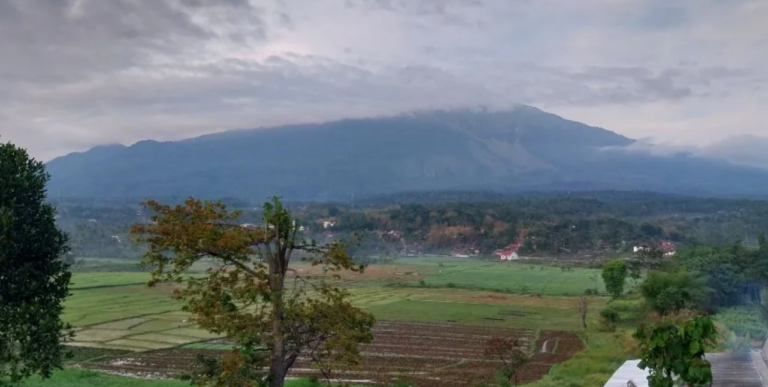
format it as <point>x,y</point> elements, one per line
<point>667,247</point>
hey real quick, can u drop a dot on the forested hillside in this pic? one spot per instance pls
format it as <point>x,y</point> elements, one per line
<point>548,224</point>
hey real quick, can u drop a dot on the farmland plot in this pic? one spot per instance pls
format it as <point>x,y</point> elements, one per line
<point>428,354</point>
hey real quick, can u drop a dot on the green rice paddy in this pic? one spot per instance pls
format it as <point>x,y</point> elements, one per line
<point>117,310</point>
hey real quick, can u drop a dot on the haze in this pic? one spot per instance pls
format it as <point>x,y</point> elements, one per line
<point>80,73</point>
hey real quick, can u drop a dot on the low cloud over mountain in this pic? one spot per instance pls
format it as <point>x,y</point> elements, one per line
<point>500,150</point>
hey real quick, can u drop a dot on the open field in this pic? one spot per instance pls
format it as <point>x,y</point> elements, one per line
<point>508,277</point>
<point>116,310</point>
<point>427,331</point>
<point>427,354</point>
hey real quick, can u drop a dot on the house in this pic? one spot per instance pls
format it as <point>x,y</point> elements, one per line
<point>513,246</point>
<point>668,248</point>
<point>509,253</point>
<point>327,223</point>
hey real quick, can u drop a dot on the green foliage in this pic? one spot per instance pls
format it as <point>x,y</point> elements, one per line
<point>86,378</point>
<point>650,258</point>
<point>237,368</point>
<point>34,278</point>
<point>593,366</point>
<point>746,320</point>
<point>674,348</point>
<point>614,276</point>
<point>610,315</point>
<point>671,292</point>
<point>629,311</point>
<point>730,269</point>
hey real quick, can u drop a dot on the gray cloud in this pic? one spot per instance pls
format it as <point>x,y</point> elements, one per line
<point>81,73</point>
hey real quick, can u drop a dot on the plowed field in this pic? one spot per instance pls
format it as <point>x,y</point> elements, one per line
<point>429,355</point>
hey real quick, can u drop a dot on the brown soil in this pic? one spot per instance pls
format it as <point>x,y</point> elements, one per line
<point>373,272</point>
<point>429,355</point>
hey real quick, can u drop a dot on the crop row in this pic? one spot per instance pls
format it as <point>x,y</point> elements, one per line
<point>427,354</point>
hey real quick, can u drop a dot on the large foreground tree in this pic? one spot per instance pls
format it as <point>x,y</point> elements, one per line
<point>34,280</point>
<point>251,294</point>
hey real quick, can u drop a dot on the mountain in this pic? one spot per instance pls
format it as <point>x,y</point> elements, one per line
<point>522,149</point>
<point>743,150</point>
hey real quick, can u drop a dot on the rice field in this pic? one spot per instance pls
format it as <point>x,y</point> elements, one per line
<point>118,311</point>
<point>429,355</point>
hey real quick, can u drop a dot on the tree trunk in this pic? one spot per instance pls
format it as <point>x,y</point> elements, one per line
<point>277,373</point>
<point>277,368</point>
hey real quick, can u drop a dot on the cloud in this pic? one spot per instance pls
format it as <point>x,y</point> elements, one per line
<point>87,72</point>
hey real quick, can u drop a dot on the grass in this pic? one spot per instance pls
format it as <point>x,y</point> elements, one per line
<point>116,310</point>
<point>476,314</point>
<point>604,354</point>
<point>744,321</point>
<point>101,280</point>
<point>83,378</point>
<point>508,277</point>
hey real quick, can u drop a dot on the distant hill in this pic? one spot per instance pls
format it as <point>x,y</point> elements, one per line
<point>522,149</point>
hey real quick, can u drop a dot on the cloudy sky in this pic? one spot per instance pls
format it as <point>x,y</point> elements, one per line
<point>77,73</point>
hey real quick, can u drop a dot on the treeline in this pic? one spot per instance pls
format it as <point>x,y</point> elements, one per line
<point>549,227</point>
<point>547,224</point>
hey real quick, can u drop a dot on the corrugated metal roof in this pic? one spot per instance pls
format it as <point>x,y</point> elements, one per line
<point>738,369</point>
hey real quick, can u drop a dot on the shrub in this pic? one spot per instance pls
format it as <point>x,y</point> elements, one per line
<point>614,276</point>
<point>671,292</point>
<point>610,314</point>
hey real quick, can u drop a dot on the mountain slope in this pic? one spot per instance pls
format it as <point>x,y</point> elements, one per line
<point>744,150</point>
<point>519,149</point>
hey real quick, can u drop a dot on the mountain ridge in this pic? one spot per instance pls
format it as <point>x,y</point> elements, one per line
<point>521,149</point>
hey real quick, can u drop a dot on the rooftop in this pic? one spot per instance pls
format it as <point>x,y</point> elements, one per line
<point>737,369</point>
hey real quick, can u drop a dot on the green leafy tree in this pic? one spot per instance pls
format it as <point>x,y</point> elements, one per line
<point>252,295</point>
<point>671,292</point>
<point>648,258</point>
<point>34,279</point>
<point>614,276</point>
<point>728,267</point>
<point>673,348</point>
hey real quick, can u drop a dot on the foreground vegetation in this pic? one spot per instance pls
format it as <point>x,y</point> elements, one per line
<point>86,378</point>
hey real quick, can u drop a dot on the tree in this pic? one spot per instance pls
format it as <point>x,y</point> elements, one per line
<point>614,276</point>
<point>34,279</point>
<point>245,295</point>
<point>583,310</point>
<point>671,292</point>
<point>648,258</point>
<point>674,347</point>
<point>512,355</point>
